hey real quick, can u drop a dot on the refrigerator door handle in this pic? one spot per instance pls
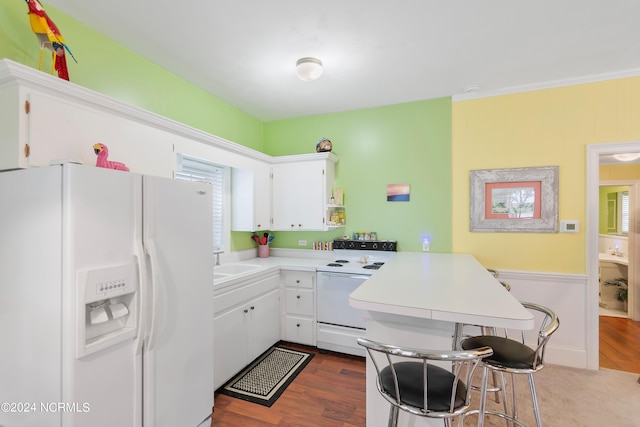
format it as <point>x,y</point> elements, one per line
<point>142,294</point>
<point>151,251</point>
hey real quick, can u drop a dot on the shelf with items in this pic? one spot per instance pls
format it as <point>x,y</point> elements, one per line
<point>336,216</point>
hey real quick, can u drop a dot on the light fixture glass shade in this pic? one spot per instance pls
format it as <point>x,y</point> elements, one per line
<point>627,157</point>
<point>309,69</point>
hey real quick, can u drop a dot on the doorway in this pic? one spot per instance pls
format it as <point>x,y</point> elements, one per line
<point>616,203</point>
<point>594,153</point>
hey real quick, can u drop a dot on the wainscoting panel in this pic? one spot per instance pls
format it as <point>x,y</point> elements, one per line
<point>566,294</point>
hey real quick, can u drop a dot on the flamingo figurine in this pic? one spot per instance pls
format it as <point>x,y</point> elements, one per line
<point>102,161</point>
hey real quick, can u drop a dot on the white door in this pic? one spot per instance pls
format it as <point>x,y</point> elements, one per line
<point>285,193</point>
<point>30,287</point>
<point>178,364</point>
<point>264,324</point>
<point>99,225</point>
<point>231,346</point>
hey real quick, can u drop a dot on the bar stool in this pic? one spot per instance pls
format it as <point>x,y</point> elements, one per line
<point>409,383</point>
<point>514,357</point>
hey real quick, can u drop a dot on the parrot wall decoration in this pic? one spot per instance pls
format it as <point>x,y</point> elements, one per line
<point>102,161</point>
<point>50,38</point>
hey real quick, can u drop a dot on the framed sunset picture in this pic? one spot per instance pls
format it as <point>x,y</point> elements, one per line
<point>398,192</point>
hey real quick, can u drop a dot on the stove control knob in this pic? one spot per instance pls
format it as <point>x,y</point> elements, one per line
<point>375,246</point>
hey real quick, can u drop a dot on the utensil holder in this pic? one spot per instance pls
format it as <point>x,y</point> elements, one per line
<point>263,251</point>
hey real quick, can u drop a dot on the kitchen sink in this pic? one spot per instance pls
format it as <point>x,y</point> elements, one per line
<point>234,268</point>
<point>218,276</point>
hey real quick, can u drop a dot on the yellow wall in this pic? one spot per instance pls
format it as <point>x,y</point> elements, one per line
<point>548,127</point>
<point>619,172</point>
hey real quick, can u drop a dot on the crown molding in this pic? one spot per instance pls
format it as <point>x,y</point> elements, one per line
<point>548,85</point>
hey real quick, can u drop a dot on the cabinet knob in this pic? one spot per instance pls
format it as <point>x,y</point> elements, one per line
<point>292,225</point>
<point>299,225</point>
<point>253,308</point>
<point>246,311</point>
<point>298,281</point>
<point>297,325</point>
<point>298,296</point>
<point>259,226</point>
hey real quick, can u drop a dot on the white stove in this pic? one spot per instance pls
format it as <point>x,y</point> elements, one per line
<point>339,325</point>
<point>359,257</point>
<point>356,262</point>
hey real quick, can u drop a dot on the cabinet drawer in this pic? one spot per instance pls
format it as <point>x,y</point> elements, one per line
<point>299,279</point>
<point>299,330</point>
<point>300,301</point>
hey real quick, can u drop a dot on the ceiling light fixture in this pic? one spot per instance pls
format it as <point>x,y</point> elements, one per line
<point>309,69</point>
<point>627,157</point>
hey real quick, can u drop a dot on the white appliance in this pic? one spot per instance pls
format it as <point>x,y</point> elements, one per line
<point>338,324</point>
<point>106,299</point>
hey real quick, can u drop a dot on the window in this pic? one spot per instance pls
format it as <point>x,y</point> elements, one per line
<point>195,169</point>
<point>623,202</point>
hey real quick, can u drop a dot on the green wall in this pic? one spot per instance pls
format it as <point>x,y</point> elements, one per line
<point>607,193</point>
<point>398,144</point>
<point>111,69</point>
<point>407,143</point>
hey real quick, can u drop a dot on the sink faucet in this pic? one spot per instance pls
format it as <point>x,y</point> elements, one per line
<point>217,254</point>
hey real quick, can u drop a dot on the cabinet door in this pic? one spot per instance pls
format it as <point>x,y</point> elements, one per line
<point>311,195</point>
<point>251,198</point>
<point>285,189</point>
<point>262,198</point>
<point>264,328</point>
<point>299,192</point>
<point>230,343</point>
<point>61,130</point>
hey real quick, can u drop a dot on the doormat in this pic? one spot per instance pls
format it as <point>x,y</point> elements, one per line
<point>267,377</point>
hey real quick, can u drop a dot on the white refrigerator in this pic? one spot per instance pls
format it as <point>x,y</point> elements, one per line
<point>106,299</point>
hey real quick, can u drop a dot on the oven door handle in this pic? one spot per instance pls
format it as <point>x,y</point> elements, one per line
<point>345,275</point>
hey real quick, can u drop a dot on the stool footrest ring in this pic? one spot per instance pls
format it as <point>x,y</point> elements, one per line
<point>496,413</point>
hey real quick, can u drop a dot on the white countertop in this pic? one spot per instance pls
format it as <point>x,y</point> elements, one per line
<point>624,260</point>
<point>265,266</point>
<point>449,287</point>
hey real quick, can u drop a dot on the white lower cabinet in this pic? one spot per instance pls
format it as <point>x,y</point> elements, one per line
<point>299,308</point>
<point>246,323</point>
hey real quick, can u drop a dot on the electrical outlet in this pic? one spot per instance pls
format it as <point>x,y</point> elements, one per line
<point>302,243</point>
<point>426,245</point>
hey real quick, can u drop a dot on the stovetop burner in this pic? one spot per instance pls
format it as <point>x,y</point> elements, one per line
<point>359,257</point>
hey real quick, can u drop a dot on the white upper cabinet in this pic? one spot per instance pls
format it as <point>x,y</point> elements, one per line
<point>41,126</point>
<point>251,198</point>
<point>302,186</point>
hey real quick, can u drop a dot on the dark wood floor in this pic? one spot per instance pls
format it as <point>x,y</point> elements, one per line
<point>619,344</point>
<point>330,391</point>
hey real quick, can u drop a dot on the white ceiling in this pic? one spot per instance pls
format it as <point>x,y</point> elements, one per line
<point>375,52</point>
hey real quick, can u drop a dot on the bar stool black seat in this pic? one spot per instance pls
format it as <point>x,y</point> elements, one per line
<point>407,381</point>
<point>514,357</point>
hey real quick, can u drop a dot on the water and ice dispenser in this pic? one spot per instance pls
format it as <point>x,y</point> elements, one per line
<point>108,307</point>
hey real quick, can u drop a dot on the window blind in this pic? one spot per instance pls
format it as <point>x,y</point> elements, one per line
<point>194,169</point>
<point>625,212</point>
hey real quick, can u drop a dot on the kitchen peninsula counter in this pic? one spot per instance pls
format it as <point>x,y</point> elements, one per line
<point>414,301</point>
<point>438,286</point>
